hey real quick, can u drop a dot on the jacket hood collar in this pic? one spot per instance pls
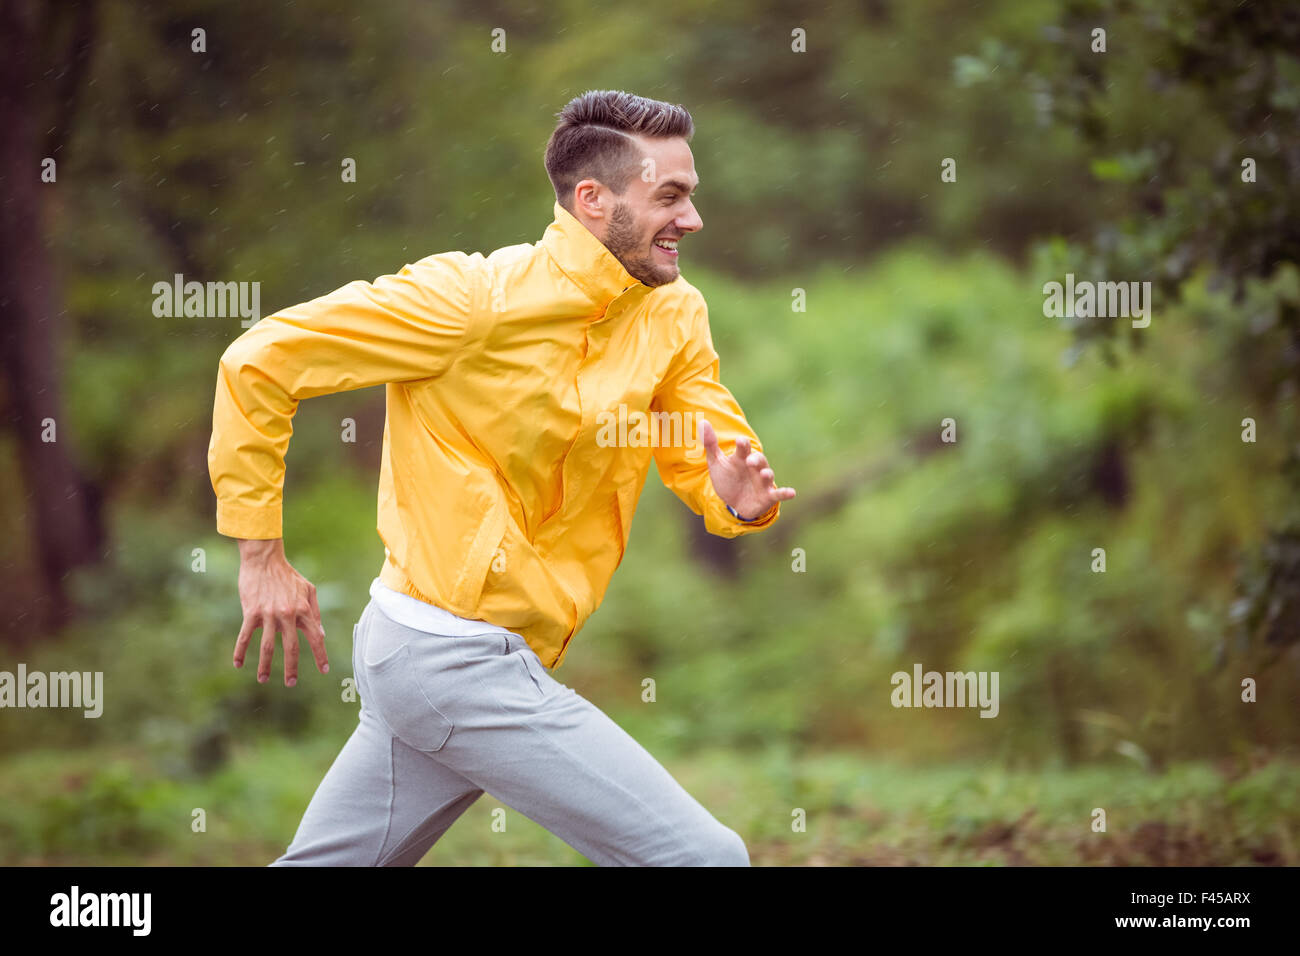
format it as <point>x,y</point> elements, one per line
<point>585,260</point>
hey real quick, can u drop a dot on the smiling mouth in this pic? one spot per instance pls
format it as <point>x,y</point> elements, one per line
<point>666,246</point>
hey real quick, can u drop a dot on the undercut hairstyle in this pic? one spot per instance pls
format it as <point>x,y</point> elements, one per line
<point>591,140</point>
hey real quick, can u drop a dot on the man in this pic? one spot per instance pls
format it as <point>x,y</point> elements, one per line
<point>508,480</point>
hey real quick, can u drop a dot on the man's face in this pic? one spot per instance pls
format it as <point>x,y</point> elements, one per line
<point>655,208</point>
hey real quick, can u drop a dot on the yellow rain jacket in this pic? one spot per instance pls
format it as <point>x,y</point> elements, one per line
<point>526,394</point>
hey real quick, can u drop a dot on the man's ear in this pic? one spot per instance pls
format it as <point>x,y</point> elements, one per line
<point>589,200</point>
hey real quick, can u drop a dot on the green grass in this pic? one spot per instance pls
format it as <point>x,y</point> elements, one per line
<point>111,807</point>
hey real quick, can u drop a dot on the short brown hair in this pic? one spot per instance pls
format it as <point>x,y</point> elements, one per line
<point>591,140</point>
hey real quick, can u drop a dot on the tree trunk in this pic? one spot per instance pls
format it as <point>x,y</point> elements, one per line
<point>62,510</point>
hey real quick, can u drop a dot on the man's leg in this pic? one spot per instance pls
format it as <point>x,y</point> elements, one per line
<point>581,776</point>
<point>381,803</point>
<point>484,707</point>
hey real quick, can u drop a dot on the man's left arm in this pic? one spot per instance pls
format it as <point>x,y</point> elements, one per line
<point>725,465</point>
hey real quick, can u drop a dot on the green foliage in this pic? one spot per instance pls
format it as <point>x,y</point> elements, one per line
<point>1207,184</point>
<point>976,555</point>
<point>924,303</point>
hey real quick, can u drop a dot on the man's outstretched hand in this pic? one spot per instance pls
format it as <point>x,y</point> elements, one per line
<point>744,481</point>
<point>277,598</point>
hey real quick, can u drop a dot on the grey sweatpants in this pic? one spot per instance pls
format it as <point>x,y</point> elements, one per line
<point>445,718</point>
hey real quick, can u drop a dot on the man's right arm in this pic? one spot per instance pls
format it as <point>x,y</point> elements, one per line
<point>404,327</point>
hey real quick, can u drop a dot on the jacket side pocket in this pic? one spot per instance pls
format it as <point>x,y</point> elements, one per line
<point>473,575</point>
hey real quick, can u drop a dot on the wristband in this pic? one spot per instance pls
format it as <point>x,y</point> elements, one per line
<point>746,520</point>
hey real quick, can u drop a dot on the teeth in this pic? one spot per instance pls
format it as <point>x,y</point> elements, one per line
<point>666,243</point>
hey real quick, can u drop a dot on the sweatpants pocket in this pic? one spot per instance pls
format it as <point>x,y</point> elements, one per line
<point>403,704</point>
<point>545,684</point>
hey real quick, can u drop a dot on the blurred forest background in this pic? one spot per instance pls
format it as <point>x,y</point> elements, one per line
<point>1172,157</point>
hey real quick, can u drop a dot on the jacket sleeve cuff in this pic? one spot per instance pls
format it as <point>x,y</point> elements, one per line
<point>237,520</point>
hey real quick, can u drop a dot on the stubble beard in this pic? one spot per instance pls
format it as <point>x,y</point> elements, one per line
<point>623,239</point>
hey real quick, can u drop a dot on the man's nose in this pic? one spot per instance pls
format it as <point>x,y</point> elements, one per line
<point>691,222</point>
